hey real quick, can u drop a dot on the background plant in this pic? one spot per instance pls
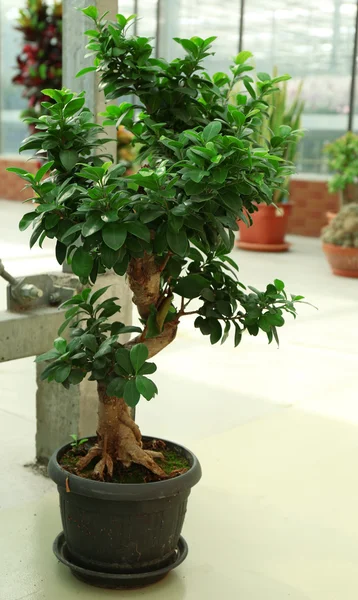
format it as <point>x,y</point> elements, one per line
<point>343,159</point>
<point>283,113</point>
<point>343,229</point>
<point>39,64</point>
<point>126,152</point>
<point>169,227</point>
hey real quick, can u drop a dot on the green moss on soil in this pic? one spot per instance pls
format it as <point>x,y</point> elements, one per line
<point>173,465</point>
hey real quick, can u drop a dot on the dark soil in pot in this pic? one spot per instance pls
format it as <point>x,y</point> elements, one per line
<point>124,529</point>
<point>174,464</point>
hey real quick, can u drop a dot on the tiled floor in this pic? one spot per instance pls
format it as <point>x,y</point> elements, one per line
<point>274,517</point>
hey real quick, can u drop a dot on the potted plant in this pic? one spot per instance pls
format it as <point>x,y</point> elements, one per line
<point>39,64</point>
<point>169,228</point>
<point>343,159</point>
<point>279,129</point>
<point>340,241</point>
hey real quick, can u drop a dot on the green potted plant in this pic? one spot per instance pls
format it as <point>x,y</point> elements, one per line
<point>169,228</point>
<point>343,159</point>
<point>281,128</point>
<point>340,241</point>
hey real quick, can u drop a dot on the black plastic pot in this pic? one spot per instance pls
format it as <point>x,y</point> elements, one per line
<point>122,529</point>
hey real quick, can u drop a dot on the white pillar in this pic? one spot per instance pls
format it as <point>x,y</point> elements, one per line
<point>61,412</point>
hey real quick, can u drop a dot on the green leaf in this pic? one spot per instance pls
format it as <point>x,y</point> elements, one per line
<point>139,230</point>
<point>89,341</point>
<point>264,323</point>
<point>50,355</point>
<point>109,257</point>
<point>249,88</point>
<point>68,159</point>
<point>242,57</point>
<point>147,369</point>
<point>177,241</point>
<point>215,331</point>
<point>241,99</point>
<point>279,285</point>
<point>131,394</point>
<point>60,345</point>
<point>74,378</point>
<point>82,263</point>
<point>54,94</point>
<point>73,106</point>
<point>275,319</point>
<point>64,325</point>
<point>124,361</point>
<point>90,11</point>
<point>238,334</point>
<point>208,294</point>
<point>27,220</point>
<point>116,387</point>
<point>94,223</point>
<point>191,286</point>
<point>71,312</point>
<point>62,372</point>
<point>284,130</point>
<point>61,251</point>
<point>86,70</point>
<point>114,235</point>
<point>43,170</point>
<point>138,355</point>
<point>96,295</point>
<point>263,76</point>
<point>146,387</point>
<point>147,216</point>
<point>220,174</point>
<point>105,347</point>
<point>281,78</point>
<point>211,130</point>
<point>36,234</point>
<point>70,232</point>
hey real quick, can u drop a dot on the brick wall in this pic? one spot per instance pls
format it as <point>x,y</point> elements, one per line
<point>311,201</point>
<point>11,186</point>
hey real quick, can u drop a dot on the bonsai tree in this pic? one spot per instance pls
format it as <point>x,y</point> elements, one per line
<point>39,64</point>
<point>169,227</point>
<point>343,159</point>
<point>343,229</point>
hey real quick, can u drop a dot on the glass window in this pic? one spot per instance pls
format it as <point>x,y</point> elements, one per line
<point>205,18</point>
<point>12,130</point>
<point>313,41</point>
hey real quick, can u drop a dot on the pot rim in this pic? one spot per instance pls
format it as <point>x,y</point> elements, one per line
<point>335,249</point>
<point>105,490</point>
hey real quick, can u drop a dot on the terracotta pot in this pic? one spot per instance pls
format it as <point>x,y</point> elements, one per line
<point>330,216</point>
<point>267,233</point>
<point>343,261</point>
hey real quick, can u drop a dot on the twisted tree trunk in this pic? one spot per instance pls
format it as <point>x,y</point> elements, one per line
<point>119,437</point>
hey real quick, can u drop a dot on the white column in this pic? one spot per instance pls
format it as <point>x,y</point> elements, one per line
<point>61,412</point>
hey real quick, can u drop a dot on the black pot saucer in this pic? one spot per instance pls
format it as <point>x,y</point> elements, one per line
<point>117,580</point>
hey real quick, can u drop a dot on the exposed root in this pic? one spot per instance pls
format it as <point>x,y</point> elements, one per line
<point>119,439</point>
<point>106,462</point>
<point>153,454</point>
<point>91,454</point>
<point>129,450</point>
